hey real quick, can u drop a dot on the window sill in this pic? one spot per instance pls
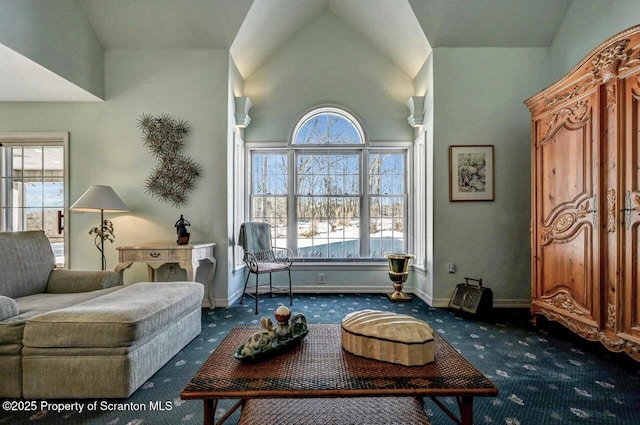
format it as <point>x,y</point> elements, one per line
<point>340,265</point>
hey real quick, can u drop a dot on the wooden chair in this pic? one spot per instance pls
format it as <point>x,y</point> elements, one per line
<point>262,257</point>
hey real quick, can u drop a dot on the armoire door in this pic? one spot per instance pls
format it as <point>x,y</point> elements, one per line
<point>630,301</point>
<point>566,269</point>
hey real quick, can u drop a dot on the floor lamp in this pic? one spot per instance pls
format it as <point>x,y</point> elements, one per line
<point>103,199</point>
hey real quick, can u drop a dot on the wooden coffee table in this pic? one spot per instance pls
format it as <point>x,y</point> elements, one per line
<point>318,367</point>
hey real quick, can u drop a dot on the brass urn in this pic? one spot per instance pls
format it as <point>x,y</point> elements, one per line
<point>398,273</point>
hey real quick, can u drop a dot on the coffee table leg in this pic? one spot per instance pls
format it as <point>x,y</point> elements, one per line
<point>466,410</point>
<point>465,405</point>
<point>210,406</point>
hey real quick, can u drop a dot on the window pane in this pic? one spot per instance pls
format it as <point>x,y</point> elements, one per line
<point>270,209</point>
<point>387,224</point>
<point>328,227</point>
<point>53,158</point>
<point>386,173</point>
<point>32,159</point>
<point>9,208</point>
<point>50,222</point>
<point>33,192</point>
<point>35,219</point>
<point>15,154</point>
<point>269,173</point>
<point>53,193</point>
<point>327,128</point>
<point>46,194</point>
<point>328,174</point>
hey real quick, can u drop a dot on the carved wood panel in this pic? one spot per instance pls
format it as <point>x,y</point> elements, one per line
<point>566,209</point>
<point>631,272</point>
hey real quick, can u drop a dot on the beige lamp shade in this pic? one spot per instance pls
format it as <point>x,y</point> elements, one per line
<point>99,198</point>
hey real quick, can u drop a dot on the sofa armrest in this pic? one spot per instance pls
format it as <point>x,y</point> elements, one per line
<point>8,307</point>
<point>70,281</point>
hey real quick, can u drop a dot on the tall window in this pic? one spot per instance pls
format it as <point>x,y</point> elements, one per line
<point>330,195</point>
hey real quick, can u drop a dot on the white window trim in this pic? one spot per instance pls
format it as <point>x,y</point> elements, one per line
<point>238,198</point>
<point>418,211</point>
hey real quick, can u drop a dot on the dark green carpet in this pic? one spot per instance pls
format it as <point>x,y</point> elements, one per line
<point>544,375</point>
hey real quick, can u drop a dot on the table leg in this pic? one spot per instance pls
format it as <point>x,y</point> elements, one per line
<point>210,406</point>
<point>193,270</point>
<point>465,403</point>
<point>211,261</point>
<point>121,267</point>
<point>151,273</point>
<point>465,406</point>
<point>188,268</point>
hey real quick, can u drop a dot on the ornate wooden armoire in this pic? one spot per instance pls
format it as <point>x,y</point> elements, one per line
<point>585,225</point>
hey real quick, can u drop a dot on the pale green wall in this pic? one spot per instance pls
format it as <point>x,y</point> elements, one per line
<point>478,95</point>
<point>106,148</point>
<point>47,32</point>
<point>587,24</point>
<point>191,85</point>
<point>327,62</point>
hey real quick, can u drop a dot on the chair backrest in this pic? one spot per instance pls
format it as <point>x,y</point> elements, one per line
<point>255,237</point>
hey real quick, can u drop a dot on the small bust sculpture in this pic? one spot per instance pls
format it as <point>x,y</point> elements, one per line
<point>181,230</point>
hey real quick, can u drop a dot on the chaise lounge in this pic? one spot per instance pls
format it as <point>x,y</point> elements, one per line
<point>77,334</point>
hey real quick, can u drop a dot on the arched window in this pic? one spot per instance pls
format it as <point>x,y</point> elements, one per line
<point>328,126</point>
<point>331,195</point>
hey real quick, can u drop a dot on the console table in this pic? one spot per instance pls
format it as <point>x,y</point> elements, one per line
<point>189,257</point>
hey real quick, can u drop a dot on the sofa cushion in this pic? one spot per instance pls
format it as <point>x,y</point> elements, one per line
<point>45,302</point>
<point>12,328</point>
<point>122,318</point>
<point>8,307</point>
<point>27,260</point>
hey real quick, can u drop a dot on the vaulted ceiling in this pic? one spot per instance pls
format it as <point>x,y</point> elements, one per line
<point>403,30</point>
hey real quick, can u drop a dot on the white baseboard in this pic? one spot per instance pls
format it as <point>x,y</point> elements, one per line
<point>376,289</point>
<point>497,303</point>
<point>331,289</point>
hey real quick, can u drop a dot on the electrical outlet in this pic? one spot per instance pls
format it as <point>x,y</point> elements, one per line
<point>321,278</point>
<point>172,269</point>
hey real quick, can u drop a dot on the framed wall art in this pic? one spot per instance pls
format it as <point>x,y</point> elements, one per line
<point>471,173</point>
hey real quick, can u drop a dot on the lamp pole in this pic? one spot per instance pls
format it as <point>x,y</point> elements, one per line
<point>102,229</point>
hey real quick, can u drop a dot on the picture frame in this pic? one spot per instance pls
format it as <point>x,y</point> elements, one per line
<point>471,173</point>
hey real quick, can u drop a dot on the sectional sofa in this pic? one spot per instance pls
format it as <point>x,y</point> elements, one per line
<point>79,334</point>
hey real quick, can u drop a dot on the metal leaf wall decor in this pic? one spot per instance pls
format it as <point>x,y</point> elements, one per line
<point>175,174</point>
